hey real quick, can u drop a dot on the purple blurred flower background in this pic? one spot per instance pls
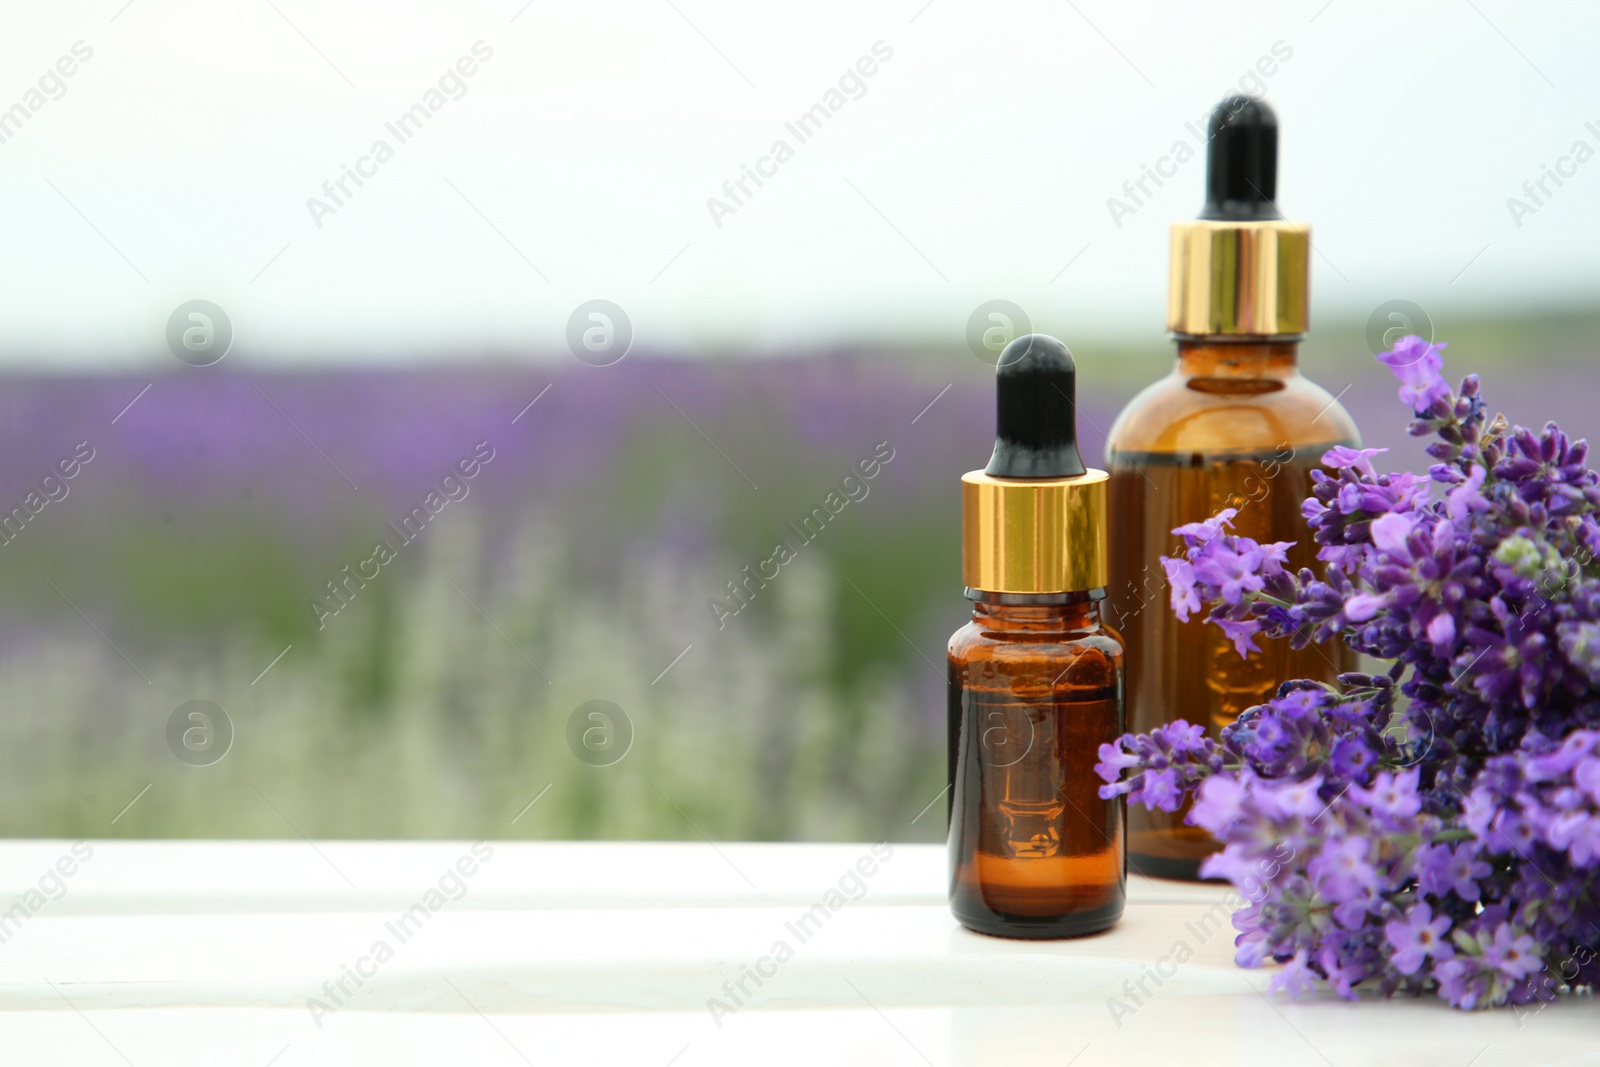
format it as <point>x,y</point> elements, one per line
<point>580,565</point>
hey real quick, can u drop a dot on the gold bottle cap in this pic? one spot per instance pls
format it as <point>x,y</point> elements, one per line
<point>1241,269</point>
<point>1034,535</point>
<point>1240,278</point>
<point>1034,520</point>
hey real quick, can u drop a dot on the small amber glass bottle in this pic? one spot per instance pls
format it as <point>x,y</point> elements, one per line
<point>1035,679</point>
<point>1235,425</point>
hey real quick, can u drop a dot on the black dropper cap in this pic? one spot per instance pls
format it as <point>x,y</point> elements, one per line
<point>1242,162</point>
<point>1036,432</point>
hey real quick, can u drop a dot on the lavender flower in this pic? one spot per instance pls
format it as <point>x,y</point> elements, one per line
<point>1417,364</point>
<point>1453,846</point>
<point>1418,937</point>
<point>1442,869</point>
<point>1174,759</point>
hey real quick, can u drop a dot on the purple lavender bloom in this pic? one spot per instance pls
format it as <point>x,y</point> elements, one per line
<point>1180,576</point>
<point>1510,832</point>
<point>1417,364</point>
<point>1515,955</point>
<point>1342,873</point>
<point>1252,943</point>
<point>1171,762</point>
<point>1352,758</point>
<point>1113,761</point>
<point>1358,459</point>
<point>1302,704</point>
<point>1185,738</point>
<point>1363,606</point>
<point>1442,634</point>
<point>1296,978</point>
<point>1442,869</point>
<point>1506,652</point>
<point>1586,775</point>
<point>1580,643</point>
<point>1242,634</point>
<point>1232,568</point>
<point>1417,937</point>
<point>1386,493</point>
<point>1161,790</point>
<point>1461,858</point>
<point>1463,981</point>
<point>1576,833</point>
<point>1198,533</point>
<point>1290,799</point>
<point>1465,499</point>
<point>1219,801</point>
<point>1548,469</point>
<point>1559,761</point>
<point>1389,534</point>
<point>1342,973</point>
<point>1591,534</point>
<point>1392,798</point>
<point>1348,558</point>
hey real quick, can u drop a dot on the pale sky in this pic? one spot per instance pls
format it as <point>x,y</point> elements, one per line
<point>974,162</point>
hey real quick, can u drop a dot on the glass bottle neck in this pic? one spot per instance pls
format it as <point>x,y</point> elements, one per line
<point>1211,357</point>
<point>1037,612</point>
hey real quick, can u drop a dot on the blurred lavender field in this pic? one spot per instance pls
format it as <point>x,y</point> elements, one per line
<point>187,553</point>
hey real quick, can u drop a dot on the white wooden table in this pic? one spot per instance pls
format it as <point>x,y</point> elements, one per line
<point>170,953</point>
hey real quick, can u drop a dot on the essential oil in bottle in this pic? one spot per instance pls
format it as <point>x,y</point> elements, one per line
<point>1234,425</point>
<point>1036,677</point>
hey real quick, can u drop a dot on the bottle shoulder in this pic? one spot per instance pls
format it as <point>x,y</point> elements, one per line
<point>1179,413</point>
<point>974,642</point>
<point>1084,665</point>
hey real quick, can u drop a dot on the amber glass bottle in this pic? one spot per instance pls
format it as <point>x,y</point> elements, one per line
<point>1035,689</point>
<point>1035,679</point>
<point>1235,425</point>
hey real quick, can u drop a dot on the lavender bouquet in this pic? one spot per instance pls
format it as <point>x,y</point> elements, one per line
<point>1447,843</point>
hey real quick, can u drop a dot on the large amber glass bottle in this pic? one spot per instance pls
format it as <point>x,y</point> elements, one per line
<point>1234,425</point>
<point>1035,679</point>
